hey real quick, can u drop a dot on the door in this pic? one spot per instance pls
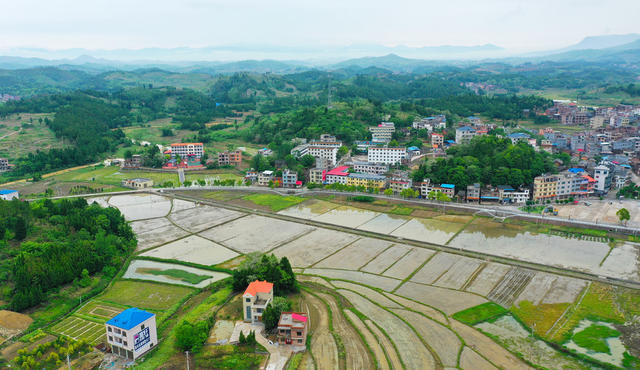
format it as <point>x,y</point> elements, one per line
<point>248,312</point>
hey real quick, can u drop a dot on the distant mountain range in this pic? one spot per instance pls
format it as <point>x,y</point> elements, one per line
<point>619,49</point>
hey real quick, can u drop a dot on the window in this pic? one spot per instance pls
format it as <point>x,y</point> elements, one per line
<point>109,329</point>
<point>299,333</point>
<point>151,345</point>
<point>110,338</point>
<point>248,300</point>
<point>125,343</point>
<point>299,340</point>
<point>142,327</point>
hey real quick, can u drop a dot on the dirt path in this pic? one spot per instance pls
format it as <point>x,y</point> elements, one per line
<point>375,346</point>
<point>356,353</point>
<point>323,347</point>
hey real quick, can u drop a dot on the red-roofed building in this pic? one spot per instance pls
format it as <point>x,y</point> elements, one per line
<point>255,299</point>
<point>338,174</point>
<point>292,329</point>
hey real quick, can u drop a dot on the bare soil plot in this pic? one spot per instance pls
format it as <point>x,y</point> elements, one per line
<point>314,246</point>
<point>386,258</point>
<point>346,216</point>
<point>469,359</point>
<point>154,232</point>
<point>535,291</point>
<point>372,341</point>
<point>428,230</point>
<point>141,206</point>
<point>221,331</point>
<point>193,249</point>
<point>364,278</point>
<point>181,205</point>
<point>355,255</point>
<point>487,347</point>
<point>323,346</point>
<point>139,269</point>
<point>309,209</point>
<point>256,233</point>
<point>443,341</point>
<point>12,323</point>
<point>406,265</point>
<point>202,217</point>
<point>564,290</point>
<point>437,265</point>
<point>459,273</point>
<point>413,353</point>
<point>356,353</point>
<point>384,223</point>
<point>623,262</point>
<point>446,300</point>
<point>490,275</point>
<point>418,307</point>
<point>511,286</point>
<point>385,342</point>
<point>371,294</point>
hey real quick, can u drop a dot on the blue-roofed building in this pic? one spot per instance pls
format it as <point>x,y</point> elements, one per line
<point>7,194</point>
<point>464,134</point>
<point>576,170</point>
<point>132,333</point>
<point>413,151</point>
<point>517,137</point>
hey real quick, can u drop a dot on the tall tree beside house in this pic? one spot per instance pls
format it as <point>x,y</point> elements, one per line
<point>623,215</point>
<point>272,312</point>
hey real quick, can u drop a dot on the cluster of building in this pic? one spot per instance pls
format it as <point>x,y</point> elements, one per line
<point>569,113</point>
<point>5,165</point>
<point>7,97</point>
<point>288,179</point>
<point>184,155</point>
<point>325,150</point>
<point>137,183</point>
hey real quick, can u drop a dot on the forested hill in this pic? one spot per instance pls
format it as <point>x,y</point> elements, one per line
<point>46,244</point>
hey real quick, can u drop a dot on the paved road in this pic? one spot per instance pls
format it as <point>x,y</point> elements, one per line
<point>278,355</point>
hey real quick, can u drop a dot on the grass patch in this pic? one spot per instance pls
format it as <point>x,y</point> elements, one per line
<point>480,313</point>
<point>294,361</point>
<point>223,195</point>
<point>204,309</point>
<point>153,296</point>
<point>187,277</point>
<point>228,357</point>
<point>403,211</point>
<point>361,198</point>
<point>274,202</point>
<point>594,338</point>
<point>541,317</point>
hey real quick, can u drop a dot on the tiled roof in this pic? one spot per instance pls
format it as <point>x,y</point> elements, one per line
<point>130,318</point>
<point>258,286</point>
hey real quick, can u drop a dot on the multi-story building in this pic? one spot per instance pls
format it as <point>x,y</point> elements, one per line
<point>473,192</point>
<point>368,167</point>
<point>6,194</point>
<point>465,134</point>
<point>265,152</point>
<point>383,132</point>
<point>300,150</point>
<point>290,179</point>
<point>427,188</point>
<point>265,177</point>
<point>430,123</point>
<point>545,187</point>
<point>233,158</point>
<point>327,153</point>
<point>328,138</point>
<point>292,329</point>
<point>574,183</point>
<point>337,175</point>
<point>316,175</point>
<point>4,164</point>
<point>363,146</point>
<point>437,140</point>
<point>255,299</point>
<point>517,137</point>
<point>137,183</point>
<point>185,150</point>
<point>507,194</point>
<point>602,175</point>
<point>386,155</point>
<point>367,180</point>
<point>132,333</point>
<point>135,161</point>
<point>398,185</point>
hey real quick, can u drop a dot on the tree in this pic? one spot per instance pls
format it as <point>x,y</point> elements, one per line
<point>128,154</point>
<point>20,229</point>
<point>275,308</point>
<point>388,192</point>
<point>242,340</point>
<point>623,215</point>
<point>342,151</point>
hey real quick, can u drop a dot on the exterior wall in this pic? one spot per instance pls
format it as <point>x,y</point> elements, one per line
<point>332,179</point>
<point>127,345</point>
<point>315,175</point>
<point>185,149</point>
<point>4,164</point>
<point>252,312</point>
<point>230,158</point>
<point>382,133</point>
<point>437,140</point>
<point>263,179</point>
<point>137,184</point>
<point>289,179</point>
<point>10,196</point>
<point>329,153</point>
<point>373,168</point>
<point>386,155</point>
<point>464,135</point>
<point>370,181</point>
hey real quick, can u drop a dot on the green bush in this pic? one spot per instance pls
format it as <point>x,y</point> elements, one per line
<point>594,338</point>
<point>480,313</point>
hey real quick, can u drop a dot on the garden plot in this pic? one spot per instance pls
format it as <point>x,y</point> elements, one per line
<point>428,230</point>
<point>367,292</point>
<point>202,217</point>
<point>437,265</point>
<point>141,206</point>
<point>100,310</point>
<point>172,274</point>
<point>469,359</point>
<point>256,233</point>
<point>419,307</point>
<point>511,286</point>
<point>413,353</point>
<point>154,232</point>
<point>459,273</point>
<point>145,295</point>
<point>371,340</point>
<point>309,209</point>
<point>78,328</point>
<point>314,246</point>
<point>181,205</point>
<point>447,300</point>
<point>384,223</point>
<point>355,255</point>
<point>193,249</point>
<point>488,348</point>
<point>490,275</point>
<point>443,341</point>
<point>406,265</point>
<point>346,216</point>
<point>386,258</point>
<point>551,250</point>
<point>622,262</point>
<point>376,281</point>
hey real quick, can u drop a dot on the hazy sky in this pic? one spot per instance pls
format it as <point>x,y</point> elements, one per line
<point>110,24</point>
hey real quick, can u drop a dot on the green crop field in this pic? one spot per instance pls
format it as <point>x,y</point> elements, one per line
<point>480,313</point>
<point>275,202</point>
<point>153,296</point>
<point>182,275</point>
<point>595,338</point>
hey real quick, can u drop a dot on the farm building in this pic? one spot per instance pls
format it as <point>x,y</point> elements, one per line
<point>132,333</point>
<point>9,194</point>
<point>292,328</point>
<point>255,299</point>
<point>137,183</point>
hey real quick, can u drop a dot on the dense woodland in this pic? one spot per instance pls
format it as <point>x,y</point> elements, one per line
<point>46,244</point>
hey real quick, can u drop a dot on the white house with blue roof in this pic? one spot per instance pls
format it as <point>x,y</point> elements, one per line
<point>132,333</point>
<point>6,194</point>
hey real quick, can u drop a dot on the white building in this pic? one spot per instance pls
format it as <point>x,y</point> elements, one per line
<point>185,150</point>
<point>386,155</point>
<point>383,132</point>
<point>464,135</point>
<point>6,194</point>
<point>328,153</point>
<point>255,299</point>
<point>603,179</point>
<point>132,333</point>
<point>337,175</point>
<point>265,177</point>
<point>368,167</point>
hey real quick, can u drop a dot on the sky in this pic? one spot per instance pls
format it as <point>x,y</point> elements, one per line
<point>133,24</point>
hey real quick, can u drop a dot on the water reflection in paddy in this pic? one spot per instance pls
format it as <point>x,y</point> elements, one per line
<point>309,209</point>
<point>428,230</point>
<point>346,216</point>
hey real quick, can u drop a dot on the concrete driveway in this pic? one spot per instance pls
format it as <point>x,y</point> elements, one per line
<point>278,354</point>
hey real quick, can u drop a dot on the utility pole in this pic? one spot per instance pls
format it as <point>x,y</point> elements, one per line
<point>68,361</point>
<point>187,355</point>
